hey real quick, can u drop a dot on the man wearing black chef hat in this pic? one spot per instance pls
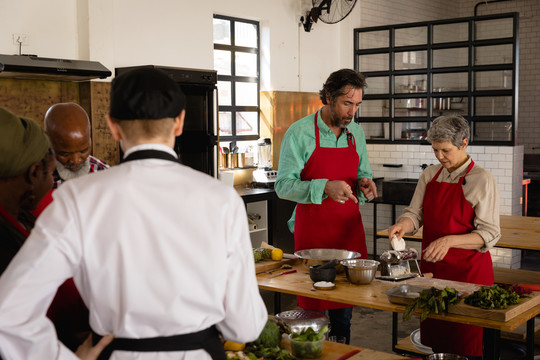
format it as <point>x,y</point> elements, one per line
<point>160,252</point>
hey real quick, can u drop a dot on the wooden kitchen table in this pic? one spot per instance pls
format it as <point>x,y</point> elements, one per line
<point>371,296</point>
<point>517,232</point>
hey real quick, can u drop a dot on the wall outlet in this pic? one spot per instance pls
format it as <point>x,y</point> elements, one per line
<point>20,39</point>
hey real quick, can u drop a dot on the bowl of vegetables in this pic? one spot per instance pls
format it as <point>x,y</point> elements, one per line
<point>308,344</point>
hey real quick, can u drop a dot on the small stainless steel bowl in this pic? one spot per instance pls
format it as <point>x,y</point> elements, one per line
<point>360,271</point>
<point>312,257</point>
<point>445,356</point>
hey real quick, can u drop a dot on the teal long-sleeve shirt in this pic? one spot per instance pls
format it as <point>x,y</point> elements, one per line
<point>298,145</point>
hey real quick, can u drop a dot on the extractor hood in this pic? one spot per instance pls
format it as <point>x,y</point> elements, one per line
<point>39,68</point>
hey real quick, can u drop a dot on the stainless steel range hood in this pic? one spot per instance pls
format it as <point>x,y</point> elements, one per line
<point>37,68</point>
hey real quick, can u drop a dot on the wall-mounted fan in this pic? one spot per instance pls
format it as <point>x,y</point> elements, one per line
<point>328,11</point>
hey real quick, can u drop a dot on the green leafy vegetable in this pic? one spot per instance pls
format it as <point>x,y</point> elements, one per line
<point>308,334</point>
<point>269,352</point>
<point>432,300</point>
<point>270,335</point>
<point>308,343</point>
<point>493,297</point>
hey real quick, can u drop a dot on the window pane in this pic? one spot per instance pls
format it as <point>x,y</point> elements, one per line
<point>450,32</point>
<point>246,94</point>
<point>410,107</point>
<point>377,85</point>
<point>493,105</point>
<point>375,108</point>
<point>495,131</point>
<point>222,62</point>
<point>376,131</point>
<point>222,31</point>
<point>410,84</point>
<point>493,29</point>
<point>450,106</point>
<point>411,36</point>
<point>376,62</point>
<point>373,39</point>
<point>410,131</point>
<point>493,80</point>
<point>496,54</point>
<point>246,123</point>
<point>245,34</point>
<point>225,123</point>
<point>246,64</point>
<point>410,60</point>
<point>450,82</point>
<point>224,92</point>
<point>450,57</point>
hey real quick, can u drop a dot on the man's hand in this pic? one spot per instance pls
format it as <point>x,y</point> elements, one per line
<point>368,188</point>
<point>340,191</point>
<point>86,352</point>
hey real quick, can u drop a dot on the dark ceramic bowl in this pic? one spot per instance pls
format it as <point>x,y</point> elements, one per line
<point>317,274</point>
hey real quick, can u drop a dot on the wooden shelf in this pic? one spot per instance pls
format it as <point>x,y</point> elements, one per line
<point>407,345</point>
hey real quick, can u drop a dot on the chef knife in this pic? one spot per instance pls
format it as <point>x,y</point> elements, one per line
<point>283,273</point>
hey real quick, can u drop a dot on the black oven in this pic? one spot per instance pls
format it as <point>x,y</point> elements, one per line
<point>197,147</point>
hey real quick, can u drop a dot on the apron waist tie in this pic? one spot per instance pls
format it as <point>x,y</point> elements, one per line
<point>207,339</point>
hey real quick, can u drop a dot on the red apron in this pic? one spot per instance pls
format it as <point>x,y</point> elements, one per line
<point>447,212</point>
<point>330,225</point>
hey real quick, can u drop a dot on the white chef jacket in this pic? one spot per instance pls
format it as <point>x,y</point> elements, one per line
<point>155,248</point>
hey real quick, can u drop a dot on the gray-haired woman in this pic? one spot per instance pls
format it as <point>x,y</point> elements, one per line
<point>457,203</point>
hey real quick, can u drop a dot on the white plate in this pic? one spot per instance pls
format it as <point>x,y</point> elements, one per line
<point>415,339</point>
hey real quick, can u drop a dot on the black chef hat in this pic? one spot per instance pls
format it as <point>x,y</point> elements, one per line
<point>145,94</point>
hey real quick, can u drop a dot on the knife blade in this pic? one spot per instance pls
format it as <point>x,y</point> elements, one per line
<point>283,273</point>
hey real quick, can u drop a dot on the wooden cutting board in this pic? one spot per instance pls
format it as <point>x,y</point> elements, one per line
<point>468,310</point>
<point>267,265</point>
<point>500,314</point>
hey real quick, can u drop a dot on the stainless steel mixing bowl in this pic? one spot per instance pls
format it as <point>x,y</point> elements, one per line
<point>360,271</point>
<point>297,320</point>
<point>311,257</point>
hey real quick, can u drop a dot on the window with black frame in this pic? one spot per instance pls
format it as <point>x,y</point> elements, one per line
<point>418,71</point>
<point>237,61</point>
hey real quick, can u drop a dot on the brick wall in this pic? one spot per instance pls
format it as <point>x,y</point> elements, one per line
<point>529,63</point>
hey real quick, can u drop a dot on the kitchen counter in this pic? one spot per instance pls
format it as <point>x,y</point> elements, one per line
<point>255,194</point>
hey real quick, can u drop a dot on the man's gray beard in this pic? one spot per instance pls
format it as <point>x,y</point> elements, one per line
<point>67,174</point>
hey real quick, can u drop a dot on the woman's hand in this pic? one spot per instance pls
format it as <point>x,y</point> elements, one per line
<point>402,227</point>
<point>340,191</point>
<point>86,352</point>
<point>437,250</point>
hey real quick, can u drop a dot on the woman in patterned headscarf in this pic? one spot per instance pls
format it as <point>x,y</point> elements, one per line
<point>26,167</point>
<point>27,164</point>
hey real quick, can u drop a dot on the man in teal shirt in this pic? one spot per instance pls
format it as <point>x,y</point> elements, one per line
<point>323,166</point>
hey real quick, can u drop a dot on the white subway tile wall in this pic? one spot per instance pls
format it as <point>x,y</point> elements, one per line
<point>505,163</point>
